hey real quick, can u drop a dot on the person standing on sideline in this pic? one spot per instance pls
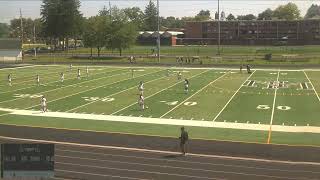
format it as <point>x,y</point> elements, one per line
<point>9,80</point>
<point>79,74</point>
<point>70,68</point>
<point>43,103</point>
<point>38,80</point>
<point>87,71</point>
<point>61,77</point>
<point>184,137</point>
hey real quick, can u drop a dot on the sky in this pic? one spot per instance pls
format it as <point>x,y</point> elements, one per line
<point>9,9</point>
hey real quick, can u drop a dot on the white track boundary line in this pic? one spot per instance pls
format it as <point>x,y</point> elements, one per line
<point>193,95</point>
<point>19,67</point>
<point>314,89</point>
<point>232,97</point>
<point>156,151</point>
<point>93,88</point>
<point>158,92</point>
<point>71,85</point>
<point>116,93</point>
<point>273,107</point>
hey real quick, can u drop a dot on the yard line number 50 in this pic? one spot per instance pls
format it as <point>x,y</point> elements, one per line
<point>266,107</point>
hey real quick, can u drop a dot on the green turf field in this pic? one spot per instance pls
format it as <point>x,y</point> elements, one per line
<point>221,104</point>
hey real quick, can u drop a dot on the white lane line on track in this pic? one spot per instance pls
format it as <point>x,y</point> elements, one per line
<point>173,161</point>
<point>314,89</point>
<point>214,119</point>
<point>95,174</point>
<point>157,151</point>
<point>137,171</point>
<point>116,93</point>
<point>273,108</point>
<point>200,90</point>
<point>158,92</point>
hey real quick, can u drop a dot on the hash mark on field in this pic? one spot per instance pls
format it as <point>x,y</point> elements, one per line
<point>232,98</point>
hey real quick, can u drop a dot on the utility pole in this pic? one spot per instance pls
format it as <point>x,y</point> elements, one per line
<point>158,39</point>
<point>219,29</point>
<point>34,39</point>
<point>21,27</point>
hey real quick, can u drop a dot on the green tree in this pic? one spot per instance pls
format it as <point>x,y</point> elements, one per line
<point>136,16</point>
<point>60,19</point>
<point>15,29</point>
<point>203,15</point>
<point>150,17</point>
<point>247,17</point>
<point>4,30</point>
<point>231,17</point>
<point>289,11</point>
<point>313,12</point>
<point>266,15</point>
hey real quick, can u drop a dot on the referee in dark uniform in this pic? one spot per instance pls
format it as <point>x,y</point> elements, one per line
<point>184,137</point>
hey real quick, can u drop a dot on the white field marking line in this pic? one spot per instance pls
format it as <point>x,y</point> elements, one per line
<point>19,67</point>
<point>162,121</point>
<point>115,93</point>
<point>71,85</point>
<point>273,107</point>
<point>158,92</point>
<point>59,81</point>
<point>21,82</point>
<point>158,151</point>
<point>93,88</point>
<point>172,161</point>
<point>314,89</point>
<point>193,95</point>
<point>135,170</point>
<point>95,174</point>
<point>232,97</point>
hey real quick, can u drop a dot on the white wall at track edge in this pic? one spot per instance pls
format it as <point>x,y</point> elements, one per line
<point>195,123</point>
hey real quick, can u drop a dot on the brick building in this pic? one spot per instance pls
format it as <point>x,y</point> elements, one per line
<point>298,32</point>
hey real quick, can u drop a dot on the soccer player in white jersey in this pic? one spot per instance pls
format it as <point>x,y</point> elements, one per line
<point>43,103</point>
<point>9,79</point>
<point>62,77</point>
<point>38,80</point>
<point>141,102</point>
<point>186,86</point>
<point>79,74</point>
<point>87,71</point>
<point>141,87</point>
<point>179,75</point>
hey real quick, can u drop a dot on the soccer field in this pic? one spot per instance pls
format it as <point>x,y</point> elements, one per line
<point>276,106</point>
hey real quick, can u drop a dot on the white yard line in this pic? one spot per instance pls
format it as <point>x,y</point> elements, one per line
<point>56,82</point>
<point>71,85</point>
<point>200,90</point>
<point>158,92</point>
<point>232,97</point>
<point>20,67</point>
<point>163,121</point>
<point>91,89</point>
<point>115,94</point>
<point>314,89</point>
<point>273,107</point>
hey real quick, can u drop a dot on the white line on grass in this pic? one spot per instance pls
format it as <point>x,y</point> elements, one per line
<point>58,81</point>
<point>114,94</point>
<point>20,67</point>
<point>273,106</point>
<point>158,92</point>
<point>193,95</point>
<point>92,89</point>
<point>312,85</point>
<point>71,85</point>
<point>232,97</point>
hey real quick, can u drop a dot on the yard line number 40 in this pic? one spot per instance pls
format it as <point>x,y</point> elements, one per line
<point>266,107</point>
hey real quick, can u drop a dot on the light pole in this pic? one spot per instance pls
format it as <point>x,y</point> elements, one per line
<point>219,29</point>
<point>158,38</point>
